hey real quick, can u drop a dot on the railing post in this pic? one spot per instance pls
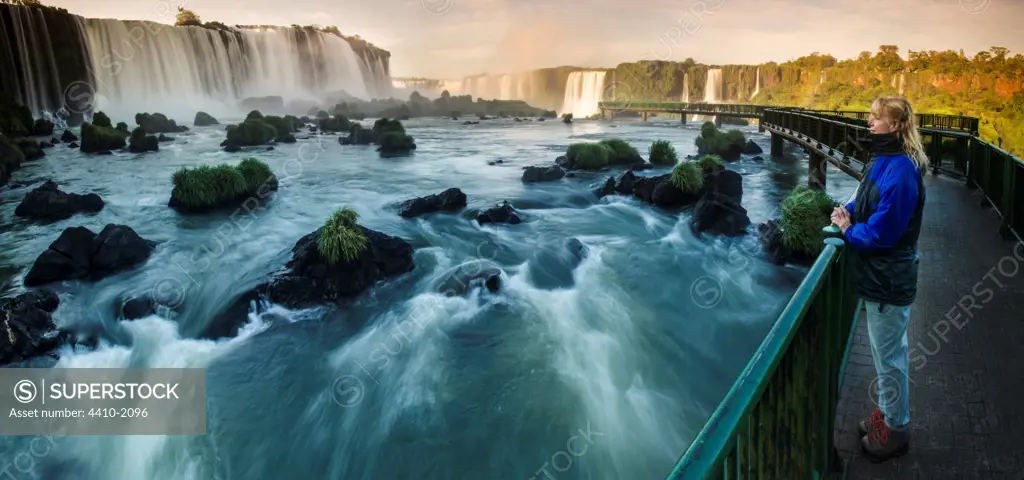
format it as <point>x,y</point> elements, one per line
<point>1007,208</point>
<point>837,296</point>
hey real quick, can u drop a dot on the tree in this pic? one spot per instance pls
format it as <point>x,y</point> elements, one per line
<point>186,18</point>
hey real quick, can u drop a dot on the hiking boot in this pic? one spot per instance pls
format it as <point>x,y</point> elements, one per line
<point>867,425</point>
<point>884,443</point>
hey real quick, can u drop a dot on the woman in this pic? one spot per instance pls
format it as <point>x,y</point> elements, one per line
<point>881,225</point>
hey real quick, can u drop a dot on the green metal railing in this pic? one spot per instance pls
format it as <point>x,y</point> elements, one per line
<point>778,418</point>
<point>692,107</point>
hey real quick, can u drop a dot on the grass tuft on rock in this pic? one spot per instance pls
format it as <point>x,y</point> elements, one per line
<point>688,177</point>
<point>340,239</point>
<point>663,153</point>
<point>96,138</point>
<point>588,156</point>
<point>255,173</point>
<point>622,151</point>
<point>710,163</point>
<point>101,119</point>
<point>208,186</point>
<point>728,145</point>
<point>805,212</point>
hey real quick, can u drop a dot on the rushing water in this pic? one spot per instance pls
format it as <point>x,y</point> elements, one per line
<point>406,383</point>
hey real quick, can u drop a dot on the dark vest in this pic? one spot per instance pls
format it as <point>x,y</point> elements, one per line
<point>887,276</point>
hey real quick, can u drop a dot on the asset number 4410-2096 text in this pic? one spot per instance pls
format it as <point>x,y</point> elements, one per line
<point>118,412</point>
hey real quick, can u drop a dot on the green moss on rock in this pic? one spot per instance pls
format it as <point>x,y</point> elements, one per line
<point>100,139</point>
<point>805,212</point>
<point>210,186</point>
<point>663,153</point>
<point>341,239</point>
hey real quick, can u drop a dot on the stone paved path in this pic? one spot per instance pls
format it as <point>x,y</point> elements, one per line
<point>967,364</point>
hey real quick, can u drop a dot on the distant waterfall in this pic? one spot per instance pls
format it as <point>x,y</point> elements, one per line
<point>31,73</point>
<point>757,84</point>
<point>506,88</point>
<point>142,66</point>
<point>903,78</point>
<point>686,88</point>
<point>714,87</point>
<point>583,91</point>
<point>521,86</point>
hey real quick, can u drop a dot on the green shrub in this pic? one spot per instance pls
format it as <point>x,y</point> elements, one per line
<point>709,163</point>
<point>101,119</point>
<point>11,158</point>
<point>357,135</point>
<point>123,127</point>
<point>140,142</point>
<point>30,148</point>
<point>340,239</point>
<point>688,177</point>
<point>805,211</point>
<point>622,151</point>
<point>663,153</point>
<point>384,125</point>
<point>588,156</point>
<point>100,139</point>
<point>728,145</point>
<point>42,127</point>
<point>255,173</point>
<point>395,143</point>
<point>250,133</point>
<point>254,115</point>
<point>337,123</point>
<point>283,128</point>
<point>15,119</point>
<point>207,185</point>
<point>158,123</point>
<point>322,114</point>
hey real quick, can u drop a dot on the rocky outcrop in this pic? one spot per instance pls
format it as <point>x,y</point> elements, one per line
<point>500,213</point>
<point>158,123</point>
<point>47,202</point>
<point>751,148</point>
<point>26,328</point>
<point>310,280</point>
<point>68,137</point>
<point>81,254</point>
<point>204,119</point>
<point>551,173</point>
<point>770,235</point>
<point>450,200</point>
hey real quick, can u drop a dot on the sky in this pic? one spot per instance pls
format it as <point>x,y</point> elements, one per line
<point>454,38</point>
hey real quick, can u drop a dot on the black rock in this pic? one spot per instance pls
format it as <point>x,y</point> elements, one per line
<point>562,161</point>
<point>26,328</point>
<point>138,307</point>
<point>73,145</point>
<point>758,159</point>
<point>606,189</point>
<point>81,254</point>
<point>718,214</point>
<point>232,148</point>
<point>751,148</point>
<point>164,138</point>
<point>500,213</point>
<point>725,182</point>
<point>450,200</point>
<point>270,149</point>
<point>68,137</point>
<point>469,275</point>
<point>543,174</point>
<point>641,166</point>
<point>227,322</point>
<point>310,280</point>
<point>204,119</point>
<point>770,235</point>
<point>48,202</point>
<point>625,183</point>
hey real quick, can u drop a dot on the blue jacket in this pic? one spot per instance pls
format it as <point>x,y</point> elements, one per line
<point>886,214</point>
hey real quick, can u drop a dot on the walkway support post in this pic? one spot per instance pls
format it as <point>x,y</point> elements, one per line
<point>718,121</point>
<point>682,118</point>
<point>643,115</point>
<point>777,142</point>
<point>816,175</point>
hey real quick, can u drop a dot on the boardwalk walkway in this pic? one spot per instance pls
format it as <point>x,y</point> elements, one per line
<point>967,383</point>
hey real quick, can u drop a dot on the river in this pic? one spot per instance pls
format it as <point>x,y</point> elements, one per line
<point>605,370</point>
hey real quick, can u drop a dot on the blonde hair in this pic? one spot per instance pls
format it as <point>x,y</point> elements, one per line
<point>899,110</point>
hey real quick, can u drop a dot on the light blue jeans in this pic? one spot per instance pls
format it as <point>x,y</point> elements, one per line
<point>887,330</point>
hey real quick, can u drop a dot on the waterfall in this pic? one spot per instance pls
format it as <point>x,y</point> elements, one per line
<point>506,88</point>
<point>143,66</point>
<point>714,87</point>
<point>32,74</point>
<point>583,91</point>
<point>757,84</point>
<point>521,87</point>
<point>686,88</point>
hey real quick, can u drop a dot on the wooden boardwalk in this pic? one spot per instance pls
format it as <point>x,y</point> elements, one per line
<point>966,338</point>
